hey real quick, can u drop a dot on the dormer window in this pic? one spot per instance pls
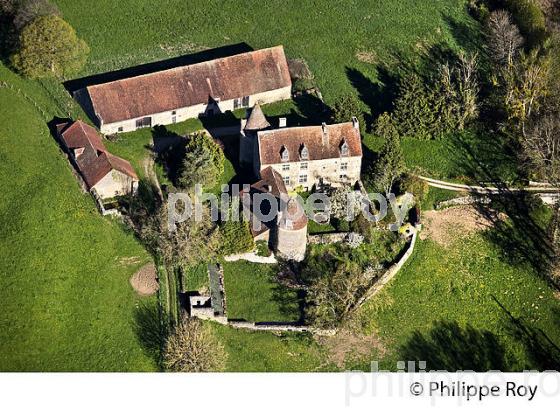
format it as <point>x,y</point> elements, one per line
<point>284,154</point>
<point>304,152</point>
<point>344,148</point>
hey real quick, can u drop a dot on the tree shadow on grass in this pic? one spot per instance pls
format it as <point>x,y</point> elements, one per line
<point>521,237</point>
<point>448,346</point>
<point>542,352</point>
<point>291,302</point>
<point>150,330</point>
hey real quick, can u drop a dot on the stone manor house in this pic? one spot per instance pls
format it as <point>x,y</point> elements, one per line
<point>282,159</point>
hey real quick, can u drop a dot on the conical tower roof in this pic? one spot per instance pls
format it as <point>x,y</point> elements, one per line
<point>257,121</point>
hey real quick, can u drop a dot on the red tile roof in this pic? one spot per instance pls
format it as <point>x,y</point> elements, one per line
<point>224,78</point>
<point>79,135</point>
<point>271,181</point>
<point>95,161</point>
<point>271,143</point>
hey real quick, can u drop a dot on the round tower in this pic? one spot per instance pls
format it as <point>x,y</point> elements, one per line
<point>290,239</point>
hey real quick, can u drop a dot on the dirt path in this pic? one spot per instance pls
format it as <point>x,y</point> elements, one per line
<point>148,165</point>
<point>448,225</point>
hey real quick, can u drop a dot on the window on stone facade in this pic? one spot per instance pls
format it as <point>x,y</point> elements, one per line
<point>284,154</point>
<point>303,179</point>
<point>285,167</point>
<point>303,165</point>
<point>342,176</point>
<point>286,180</point>
<point>245,101</point>
<point>344,149</point>
<point>120,129</point>
<point>236,104</point>
<point>144,122</point>
<point>344,166</point>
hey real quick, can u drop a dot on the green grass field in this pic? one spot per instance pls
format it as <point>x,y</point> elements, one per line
<point>67,303</point>
<point>473,309</point>
<point>335,38</point>
<point>66,300</point>
<point>252,294</point>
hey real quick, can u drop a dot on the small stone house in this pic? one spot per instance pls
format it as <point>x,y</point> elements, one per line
<point>190,91</point>
<point>102,172</point>
<point>303,156</point>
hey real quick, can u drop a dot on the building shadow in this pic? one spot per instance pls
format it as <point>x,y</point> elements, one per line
<point>448,346</point>
<point>206,55</point>
<point>169,149</point>
<point>312,110</point>
<point>151,330</point>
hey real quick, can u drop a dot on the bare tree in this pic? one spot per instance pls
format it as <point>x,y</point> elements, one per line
<point>29,10</point>
<point>541,149</point>
<point>335,295</point>
<point>526,87</point>
<point>193,347</point>
<point>467,88</point>
<point>504,39</point>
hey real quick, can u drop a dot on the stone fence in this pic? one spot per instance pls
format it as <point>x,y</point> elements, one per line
<point>390,273</point>
<point>327,238</point>
<point>252,257</point>
<point>464,200</point>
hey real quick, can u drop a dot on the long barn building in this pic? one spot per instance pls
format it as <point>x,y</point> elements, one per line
<point>190,91</point>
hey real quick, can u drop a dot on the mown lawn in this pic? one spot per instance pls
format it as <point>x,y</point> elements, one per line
<point>253,294</point>
<point>67,304</point>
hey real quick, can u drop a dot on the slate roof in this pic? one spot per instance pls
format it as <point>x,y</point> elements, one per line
<point>273,142</point>
<point>95,162</point>
<point>224,78</point>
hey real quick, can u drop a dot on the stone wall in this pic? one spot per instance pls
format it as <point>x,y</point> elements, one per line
<point>326,238</point>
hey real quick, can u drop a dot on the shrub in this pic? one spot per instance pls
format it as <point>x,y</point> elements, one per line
<point>235,237</point>
<point>49,47</point>
<point>416,186</point>
<point>263,249</point>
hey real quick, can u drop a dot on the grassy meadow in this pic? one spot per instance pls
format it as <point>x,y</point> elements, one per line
<point>67,304</point>
<point>64,270</point>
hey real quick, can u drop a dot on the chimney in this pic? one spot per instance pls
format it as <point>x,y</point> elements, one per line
<point>325,134</point>
<point>355,123</point>
<point>282,122</point>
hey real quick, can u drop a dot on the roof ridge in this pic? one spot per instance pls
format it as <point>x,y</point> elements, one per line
<point>187,65</point>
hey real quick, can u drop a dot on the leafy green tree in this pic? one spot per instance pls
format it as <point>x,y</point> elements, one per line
<point>414,108</point>
<point>203,163</point>
<point>49,47</point>
<point>345,108</point>
<point>390,165</point>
